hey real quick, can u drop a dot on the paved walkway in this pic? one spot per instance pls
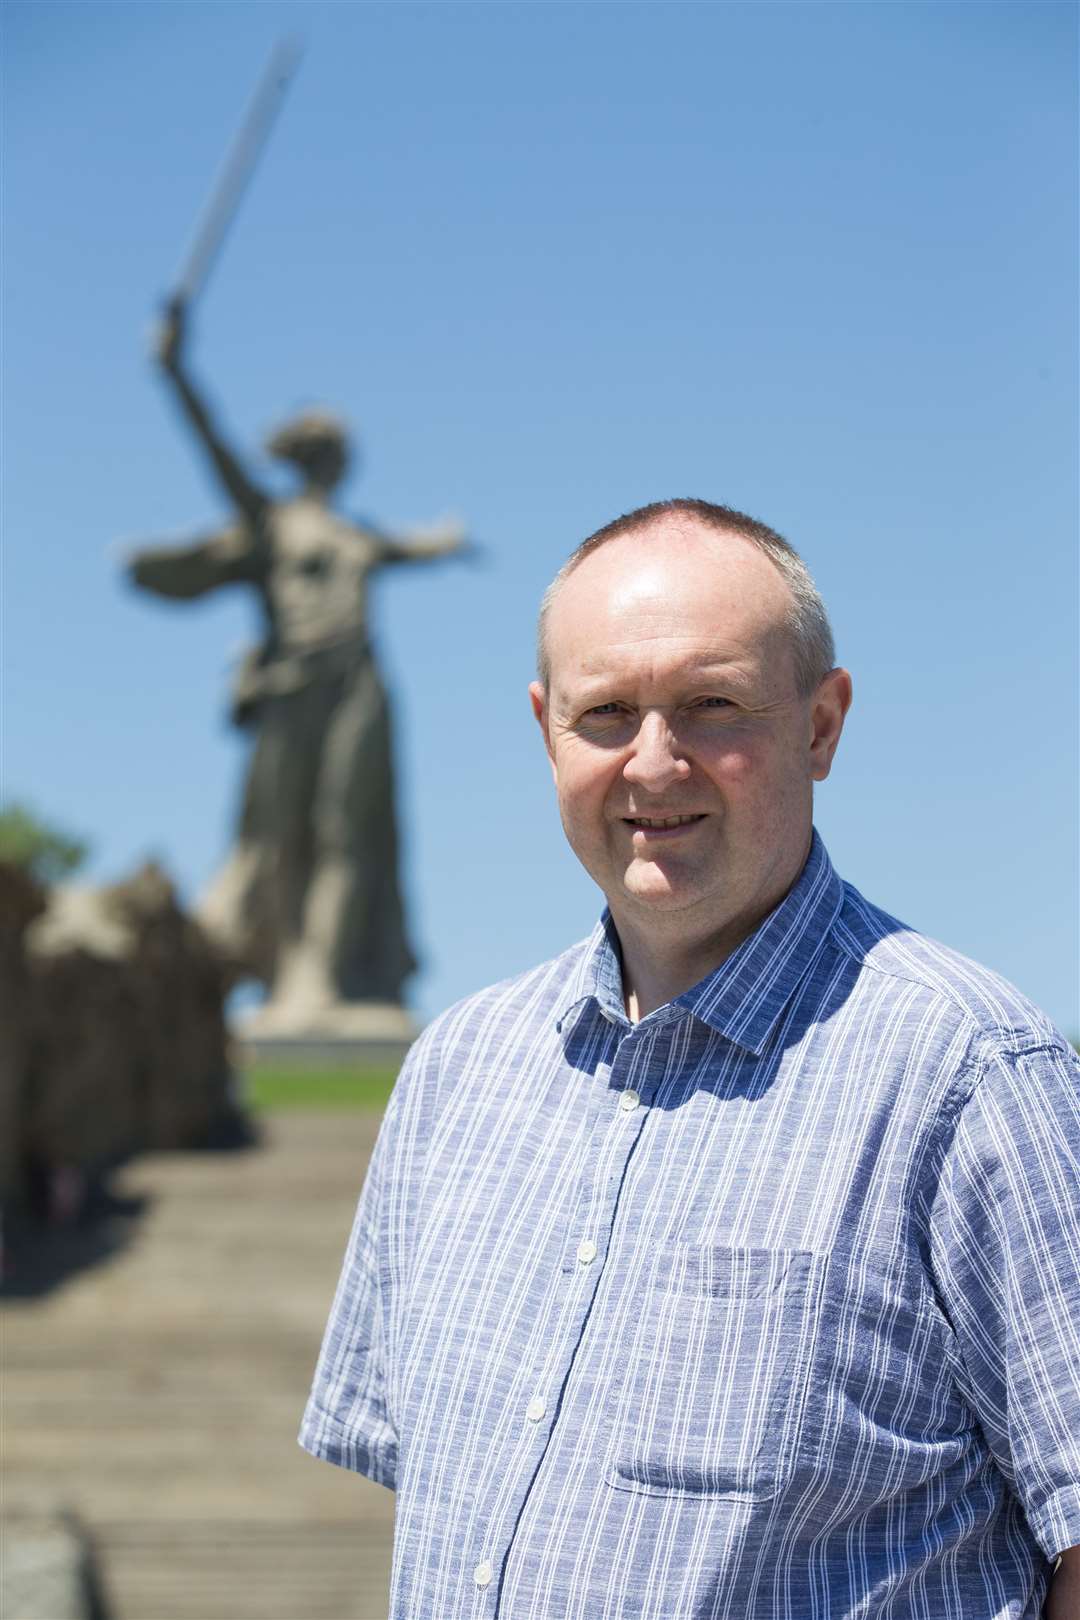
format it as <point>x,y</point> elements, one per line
<point>158,1394</point>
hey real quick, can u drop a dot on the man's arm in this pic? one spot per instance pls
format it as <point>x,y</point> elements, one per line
<point>1005,1256</point>
<point>1063,1598</point>
<point>245,494</point>
<point>347,1420</point>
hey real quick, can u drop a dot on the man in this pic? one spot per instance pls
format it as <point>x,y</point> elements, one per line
<point>728,1265</point>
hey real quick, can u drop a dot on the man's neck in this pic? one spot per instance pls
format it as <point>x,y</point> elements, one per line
<point>662,958</point>
<point>653,976</point>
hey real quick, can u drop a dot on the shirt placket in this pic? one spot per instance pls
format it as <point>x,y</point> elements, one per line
<point>620,1102</point>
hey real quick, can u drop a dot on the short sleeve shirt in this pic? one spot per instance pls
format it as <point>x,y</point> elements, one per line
<point>766,1306</point>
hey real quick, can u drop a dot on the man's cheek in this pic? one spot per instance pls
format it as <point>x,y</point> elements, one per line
<point>739,762</point>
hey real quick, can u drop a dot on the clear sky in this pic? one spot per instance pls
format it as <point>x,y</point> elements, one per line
<point>816,261</point>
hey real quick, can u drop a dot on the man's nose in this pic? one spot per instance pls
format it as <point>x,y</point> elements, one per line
<point>656,760</point>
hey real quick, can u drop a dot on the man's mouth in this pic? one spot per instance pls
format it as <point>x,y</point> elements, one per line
<point>661,823</point>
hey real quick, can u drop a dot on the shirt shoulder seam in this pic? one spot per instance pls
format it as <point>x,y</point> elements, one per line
<point>996,1039</point>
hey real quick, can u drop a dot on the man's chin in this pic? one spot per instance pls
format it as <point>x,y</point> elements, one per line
<point>659,890</point>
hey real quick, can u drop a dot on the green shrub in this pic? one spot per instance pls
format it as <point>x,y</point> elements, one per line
<point>44,852</point>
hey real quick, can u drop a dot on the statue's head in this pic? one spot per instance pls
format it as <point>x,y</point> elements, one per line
<point>315,442</point>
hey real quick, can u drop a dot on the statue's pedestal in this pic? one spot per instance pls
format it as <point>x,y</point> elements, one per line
<point>348,1033</point>
<point>48,1570</point>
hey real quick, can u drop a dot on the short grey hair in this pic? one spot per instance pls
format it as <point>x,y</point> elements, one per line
<point>811,633</point>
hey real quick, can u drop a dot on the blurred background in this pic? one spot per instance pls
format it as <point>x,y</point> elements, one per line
<point>816,261</point>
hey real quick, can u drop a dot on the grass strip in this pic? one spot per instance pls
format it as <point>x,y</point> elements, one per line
<point>269,1087</point>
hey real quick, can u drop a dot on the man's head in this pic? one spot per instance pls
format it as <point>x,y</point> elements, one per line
<point>686,677</point>
<point>811,633</point>
<point>316,444</point>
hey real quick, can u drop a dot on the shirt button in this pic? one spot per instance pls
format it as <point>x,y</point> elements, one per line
<point>535,1409</point>
<point>482,1574</point>
<point>586,1251</point>
<point>629,1100</point>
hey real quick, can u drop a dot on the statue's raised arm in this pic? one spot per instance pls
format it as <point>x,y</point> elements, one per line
<point>250,501</point>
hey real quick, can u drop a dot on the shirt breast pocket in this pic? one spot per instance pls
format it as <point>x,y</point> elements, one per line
<point>719,1381</point>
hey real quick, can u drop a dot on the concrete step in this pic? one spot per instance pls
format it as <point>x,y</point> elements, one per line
<point>157,1394</point>
<point>207,1570</point>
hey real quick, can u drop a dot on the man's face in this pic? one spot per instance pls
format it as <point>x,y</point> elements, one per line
<point>683,755</point>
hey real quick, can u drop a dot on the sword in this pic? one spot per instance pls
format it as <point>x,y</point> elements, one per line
<point>235,172</point>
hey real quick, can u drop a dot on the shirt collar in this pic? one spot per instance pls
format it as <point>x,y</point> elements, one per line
<point>743,998</point>
<point>596,977</point>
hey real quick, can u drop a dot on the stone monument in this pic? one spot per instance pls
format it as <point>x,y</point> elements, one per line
<point>309,899</point>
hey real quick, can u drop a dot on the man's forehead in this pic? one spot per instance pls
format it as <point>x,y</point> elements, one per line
<point>688,655</point>
<point>671,577</point>
<point>666,670</point>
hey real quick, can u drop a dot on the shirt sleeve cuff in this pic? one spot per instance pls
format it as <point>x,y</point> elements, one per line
<point>1056,1525</point>
<point>372,1455</point>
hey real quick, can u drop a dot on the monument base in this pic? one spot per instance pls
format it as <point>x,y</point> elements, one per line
<point>342,1035</point>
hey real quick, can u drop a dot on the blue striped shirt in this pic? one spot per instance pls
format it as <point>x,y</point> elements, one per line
<point>764,1308</point>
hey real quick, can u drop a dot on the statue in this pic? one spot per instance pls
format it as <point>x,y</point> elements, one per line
<point>309,899</point>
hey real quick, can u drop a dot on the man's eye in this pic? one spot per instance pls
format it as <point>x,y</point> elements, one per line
<point>713,703</point>
<point>602,709</point>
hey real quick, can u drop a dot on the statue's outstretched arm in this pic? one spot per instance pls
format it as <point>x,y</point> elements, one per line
<point>445,538</point>
<point>226,557</point>
<point>244,493</point>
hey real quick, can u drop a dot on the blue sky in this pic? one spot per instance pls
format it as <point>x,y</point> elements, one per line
<point>816,261</point>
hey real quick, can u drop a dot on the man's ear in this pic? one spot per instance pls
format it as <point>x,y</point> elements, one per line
<point>538,699</point>
<point>828,706</point>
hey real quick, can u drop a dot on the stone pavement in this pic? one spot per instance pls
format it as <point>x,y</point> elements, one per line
<point>157,1395</point>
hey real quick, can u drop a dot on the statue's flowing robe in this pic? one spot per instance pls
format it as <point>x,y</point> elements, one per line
<point>319,792</point>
